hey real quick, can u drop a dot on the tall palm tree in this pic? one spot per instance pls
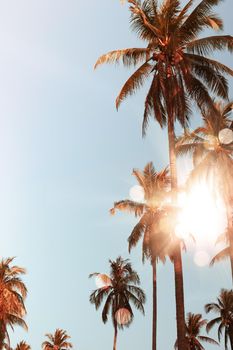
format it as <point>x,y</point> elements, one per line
<point>212,158</point>
<point>153,223</point>
<point>23,346</point>
<point>224,309</point>
<point>121,290</point>
<point>12,295</point>
<point>176,61</point>
<point>194,325</point>
<point>57,341</point>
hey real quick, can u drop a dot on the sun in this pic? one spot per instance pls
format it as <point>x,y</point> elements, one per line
<point>202,215</point>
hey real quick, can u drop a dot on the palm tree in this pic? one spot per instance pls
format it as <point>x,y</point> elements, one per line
<point>224,309</point>
<point>23,346</point>
<point>194,325</point>
<point>212,159</point>
<point>121,290</point>
<point>176,60</point>
<point>57,341</point>
<point>152,225</point>
<point>12,295</point>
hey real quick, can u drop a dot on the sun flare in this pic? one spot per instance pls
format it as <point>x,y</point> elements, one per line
<point>202,216</point>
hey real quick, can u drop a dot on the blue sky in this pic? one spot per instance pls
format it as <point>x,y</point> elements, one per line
<point>65,156</point>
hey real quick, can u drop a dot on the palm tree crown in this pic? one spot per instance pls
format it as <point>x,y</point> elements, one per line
<point>23,346</point>
<point>212,156</point>
<point>194,325</point>
<point>57,341</point>
<point>174,57</point>
<point>122,290</point>
<point>224,309</point>
<point>154,212</point>
<point>12,295</point>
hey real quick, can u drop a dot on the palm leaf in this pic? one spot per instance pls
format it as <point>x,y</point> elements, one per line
<point>138,231</point>
<point>107,306</point>
<point>137,303</point>
<point>153,105</point>
<point>217,66</point>
<point>222,255</point>
<point>205,46</point>
<point>212,323</point>
<point>208,340</point>
<point>128,57</point>
<point>134,82</point>
<point>215,81</point>
<point>197,20</point>
<point>130,206</point>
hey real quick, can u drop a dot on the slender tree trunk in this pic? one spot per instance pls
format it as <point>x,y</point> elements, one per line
<point>178,270</point>
<point>154,327</point>
<point>115,336</point>
<point>2,334</point>
<point>231,336</point>
<point>230,233</point>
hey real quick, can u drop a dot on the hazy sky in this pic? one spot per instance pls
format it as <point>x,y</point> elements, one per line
<point>65,156</point>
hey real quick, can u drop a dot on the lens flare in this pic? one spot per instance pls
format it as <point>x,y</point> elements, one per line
<point>137,193</point>
<point>201,258</point>
<point>202,216</point>
<point>103,281</point>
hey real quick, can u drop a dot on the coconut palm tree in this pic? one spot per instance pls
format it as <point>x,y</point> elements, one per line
<point>12,295</point>
<point>224,309</point>
<point>119,291</point>
<point>176,61</point>
<point>23,346</point>
<point>154,225</point>
<point>57,341</point>
<point>194,325</point>
<point>212,158</point>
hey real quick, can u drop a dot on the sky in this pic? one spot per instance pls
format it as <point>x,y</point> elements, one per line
<point>66,155</point>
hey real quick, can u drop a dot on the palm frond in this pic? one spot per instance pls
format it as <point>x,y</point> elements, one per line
<point>217,66</point>
<point>208,340</point>
<point>129,57</point>
<point>212,323</point>
<point>222,255</point>
<point>206,46</point>
<point>137,302</point>
<point>197,20</point>
<point>135,81</point>
<point>130,206</point>
<point>107,307</point>
<point>198,92</point>
<point>138,231</point>
<point>216,82</point>
<point>143,21</point>
<point>153,105</point>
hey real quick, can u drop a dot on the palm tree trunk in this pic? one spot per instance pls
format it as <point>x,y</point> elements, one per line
<point>230,234</point>
<point>231,336</point>
<point>154,327</point>
<point>2,334</point>
<point>115,335</point>
<point>178,270</point>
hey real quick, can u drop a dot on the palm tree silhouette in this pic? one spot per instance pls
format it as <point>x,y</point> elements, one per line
<point>121,290</point>
<point>12,295</point>
<point>224,309</point>
<point>57,341</point>
<point>194,325</point>
<point>155,223</point>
